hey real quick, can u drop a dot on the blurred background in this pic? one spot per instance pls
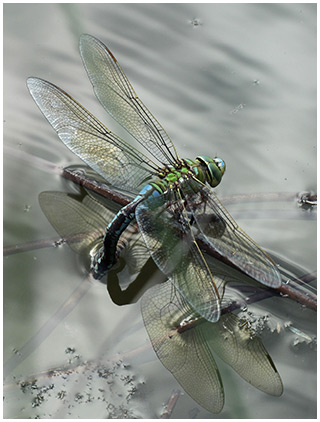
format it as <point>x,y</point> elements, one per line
<point>233,80</point>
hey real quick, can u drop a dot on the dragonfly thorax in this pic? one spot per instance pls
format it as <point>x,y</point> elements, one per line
<point>205,169</point>
<point>169,177</point>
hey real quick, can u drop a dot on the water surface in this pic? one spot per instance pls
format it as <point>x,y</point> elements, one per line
<point>234,80</point>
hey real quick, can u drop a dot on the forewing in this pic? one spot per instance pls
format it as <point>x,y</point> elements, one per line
<point>166,231</point>
<point>236,344</point>
<point>117,96</point>
<point>115,160</point>
<point>227,238</point>
<point>186,355</point>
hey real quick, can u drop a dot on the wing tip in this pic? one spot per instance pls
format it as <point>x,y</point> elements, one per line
<point>86,38</point>
<point>31,82</point>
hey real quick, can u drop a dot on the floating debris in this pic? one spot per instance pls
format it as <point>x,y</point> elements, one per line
<point>307,200</point>
<point>299,333</point>
<point>237,108</point>
<point>70,350</point>
<point>195,22</point>
<point>59,242</point>
<point>108,386</point>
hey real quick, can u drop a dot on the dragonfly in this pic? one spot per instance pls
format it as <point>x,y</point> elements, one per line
<point>174,201</point>
<point>185,343</point>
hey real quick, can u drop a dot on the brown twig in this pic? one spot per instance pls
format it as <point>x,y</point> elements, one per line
<point>166,414</point>
<point>32,245</point>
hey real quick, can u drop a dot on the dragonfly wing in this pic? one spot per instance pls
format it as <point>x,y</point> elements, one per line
<point>237,345</point>
<point>80,222</point>
<point>115,160</point>
<point>166,231</point>
<point>227,238</point>
<point>117,96</point>
<point>186,355</point>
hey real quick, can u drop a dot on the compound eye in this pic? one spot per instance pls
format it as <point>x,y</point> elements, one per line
<point>214,174</point>
<point>220,164</point>
<point>215,168</point>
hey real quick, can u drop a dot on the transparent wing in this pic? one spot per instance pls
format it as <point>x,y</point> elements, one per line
<point>115,160</point>
<point>117,96</point>
<point>80,222</point>
<point>165,227</point>
<point>226,237</point>
<point>184,344</point>
<point>236,344</point>
<point>186,355</point>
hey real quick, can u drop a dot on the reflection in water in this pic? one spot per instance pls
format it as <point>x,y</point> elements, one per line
<point>183,341</point>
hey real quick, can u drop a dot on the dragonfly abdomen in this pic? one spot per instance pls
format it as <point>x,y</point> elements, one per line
<point>107,255</point>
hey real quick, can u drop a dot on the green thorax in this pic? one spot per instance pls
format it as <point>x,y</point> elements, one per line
<point>203,168</point>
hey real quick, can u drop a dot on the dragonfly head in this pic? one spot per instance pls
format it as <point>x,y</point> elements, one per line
<point>214,169</point>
